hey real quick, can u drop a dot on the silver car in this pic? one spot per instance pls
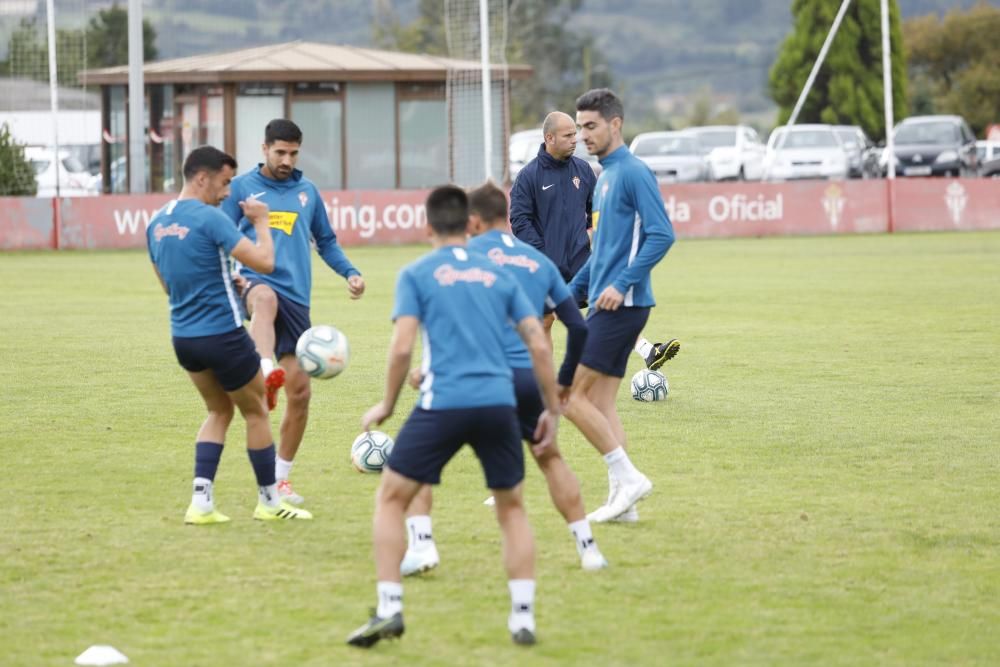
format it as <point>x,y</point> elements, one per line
<point>674,157</point>
<point>804,151</point>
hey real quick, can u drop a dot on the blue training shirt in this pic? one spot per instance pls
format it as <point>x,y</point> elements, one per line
<point>535,273</point>
<point>297,215</point>
<point>189,243</point>
<point>631,232</point>
<point>465,305</point>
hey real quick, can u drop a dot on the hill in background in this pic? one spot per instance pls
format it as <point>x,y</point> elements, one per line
<point>664,54</point>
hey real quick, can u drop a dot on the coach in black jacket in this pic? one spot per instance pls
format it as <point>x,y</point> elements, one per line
<point>550,203</point>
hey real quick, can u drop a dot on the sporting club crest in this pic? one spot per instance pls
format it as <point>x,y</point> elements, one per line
<point>303,199</point>
<point>576,182</point>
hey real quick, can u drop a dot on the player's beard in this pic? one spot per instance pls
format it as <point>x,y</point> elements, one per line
<point>280,173</point>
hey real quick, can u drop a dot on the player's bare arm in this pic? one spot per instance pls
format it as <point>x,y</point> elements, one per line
<point>258,256</point>
<point>404,334</point>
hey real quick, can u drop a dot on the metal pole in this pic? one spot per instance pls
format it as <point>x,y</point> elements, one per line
<point>50,12</point>
<point>136,100</point>
<point>819,61</point>
<point>887,93</point>
<point>484,58</point>
<point>809,82</point>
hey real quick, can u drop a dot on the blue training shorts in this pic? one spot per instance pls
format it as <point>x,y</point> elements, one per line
<point>611,335</point>
<point>231,356</point>
<point>290,322</point>
<point>430,438</point>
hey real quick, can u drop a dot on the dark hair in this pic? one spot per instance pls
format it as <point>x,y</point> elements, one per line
<point>206,158</point>
<point>489,202</point>
<point>281,129</point>
<point>448,210</point>
<point>603,101</point>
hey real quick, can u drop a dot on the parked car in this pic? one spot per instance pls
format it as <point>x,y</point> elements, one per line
<point>933,146</point>
<point>73,177</point>
<point>674,157</point>
<point>862,154</point>
<point>523,147</point>
<point>988,153</point>
<point>804,151</point>
<point>735,152</point>
<point>988,158</point>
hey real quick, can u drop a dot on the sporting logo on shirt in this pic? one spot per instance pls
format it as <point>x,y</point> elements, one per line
<point>500,258</point>
<point>447,275</point>
<point>303,199</point>
<point>283,221</point>
<point>576,182</point>
<point>173,229</point>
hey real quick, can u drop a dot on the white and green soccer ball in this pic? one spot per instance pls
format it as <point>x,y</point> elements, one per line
<point>322,351</point>
<point>649,386</point>
<point>370,451</point>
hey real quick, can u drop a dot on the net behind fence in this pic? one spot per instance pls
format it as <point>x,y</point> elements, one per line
<point>30,162</point>
<point>465,91</point>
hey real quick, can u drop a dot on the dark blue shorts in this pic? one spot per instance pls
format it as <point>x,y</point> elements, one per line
<point>529,401</point>
<point>231,356</point>
<point>611,336</point>
<point>430,438</point>
<point>290,322</point>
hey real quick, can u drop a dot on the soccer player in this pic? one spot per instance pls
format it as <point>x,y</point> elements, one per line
<point>551,204</point>
<point>544,286</point>
<point>632,235</point>
<point>278,303</point>
<point>460,304</point>
<point>189,243</point>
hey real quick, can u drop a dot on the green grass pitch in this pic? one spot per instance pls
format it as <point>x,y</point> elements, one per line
<point>826,472</point>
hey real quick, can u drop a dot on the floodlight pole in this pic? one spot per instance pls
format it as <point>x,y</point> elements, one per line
<point>50,13</point>
<point>887,93</point>
<point>136,101</point>
<point>484,58</point>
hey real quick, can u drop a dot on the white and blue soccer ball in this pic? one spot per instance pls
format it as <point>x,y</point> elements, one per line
<point>370,451</point>
<point>649,386</point>
<point>322,351</point>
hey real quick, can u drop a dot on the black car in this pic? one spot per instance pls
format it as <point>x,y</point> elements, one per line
<point>934,146</point>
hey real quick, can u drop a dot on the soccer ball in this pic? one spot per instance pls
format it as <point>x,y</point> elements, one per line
<point>370,451</point>
<point>649,386</point>
<point>322,351</point>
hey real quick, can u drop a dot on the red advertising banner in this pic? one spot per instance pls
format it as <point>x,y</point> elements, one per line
<point>942,204</point>
<point>357,217</point>
<point>25,223</point>
<point>380,217</point>
<point>768,209</point>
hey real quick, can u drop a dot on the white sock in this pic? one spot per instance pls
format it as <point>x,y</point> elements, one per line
<point>619,464</point>
<point>266,366</point>
<point>580,530</point>
<point>282,468</point>
<point>269,495</point>
<point>522,607</point>
<point>643,347</point>
<point>418,532</point>
<point>390,598</point>
<point>202,496</point>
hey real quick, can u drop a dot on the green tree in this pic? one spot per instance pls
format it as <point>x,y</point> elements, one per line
<point>28,56</point>
<point>107,38</point>
<point>955,64</point>
<point>17,178</point>
<point>848,87</point>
